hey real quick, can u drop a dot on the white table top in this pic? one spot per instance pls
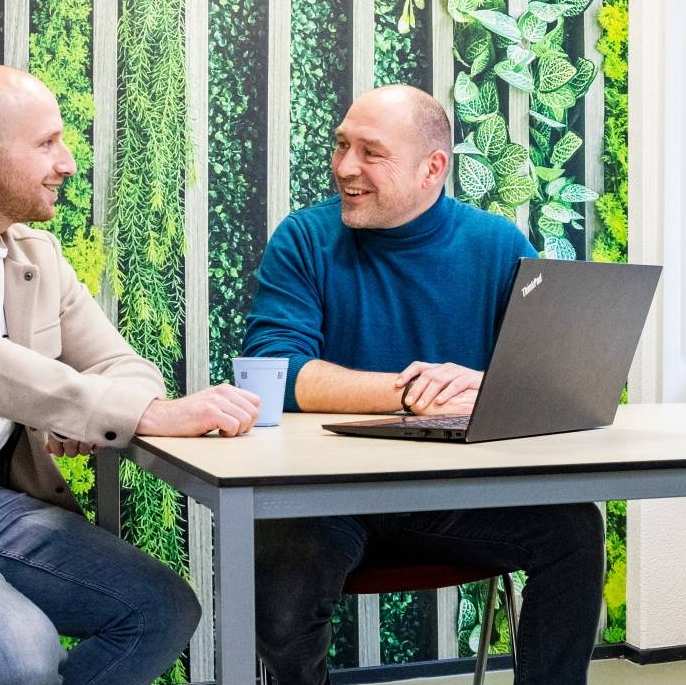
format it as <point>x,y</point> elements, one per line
<point>300,451</point>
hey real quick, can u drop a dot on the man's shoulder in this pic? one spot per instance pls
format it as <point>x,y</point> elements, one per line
<point>485,223</point>
<point>30,242</point>
<point>318,222</point>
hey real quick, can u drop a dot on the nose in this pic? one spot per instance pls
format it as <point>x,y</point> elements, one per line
<point>65,165</point>
<point>347,164</point>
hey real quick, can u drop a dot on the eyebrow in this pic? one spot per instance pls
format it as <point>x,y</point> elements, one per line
<point>373,142</point>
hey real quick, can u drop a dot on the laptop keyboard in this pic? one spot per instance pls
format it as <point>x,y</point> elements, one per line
<point>452,422</point>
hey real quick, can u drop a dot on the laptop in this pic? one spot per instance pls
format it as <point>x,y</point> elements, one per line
<point>561,358</point>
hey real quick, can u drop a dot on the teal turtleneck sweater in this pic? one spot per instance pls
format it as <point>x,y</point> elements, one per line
<point>432,290</point>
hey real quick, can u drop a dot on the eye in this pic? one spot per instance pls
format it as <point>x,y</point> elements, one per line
<point>371,153</point>
<point>341,146</point>
<point>47,144</point>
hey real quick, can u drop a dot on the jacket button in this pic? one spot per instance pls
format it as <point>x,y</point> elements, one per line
<point>110,435</point>
<point>28,276</point>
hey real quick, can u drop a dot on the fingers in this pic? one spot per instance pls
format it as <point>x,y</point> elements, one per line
<point>54,446</point>
<point>413,370</point>
<point>442,382</point>
<point>68,448</point>
<point>457,406</point>
<point>454,388</point>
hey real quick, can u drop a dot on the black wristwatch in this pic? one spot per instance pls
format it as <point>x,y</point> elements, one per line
<point>406,389</point>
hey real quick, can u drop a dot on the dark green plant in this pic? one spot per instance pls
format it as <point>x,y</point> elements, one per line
<point>60,55</point>
<point>320,93</point>
<point>237,162</point>
<point>528,54</point>
<point>399,57</point>
<point>147,241</point>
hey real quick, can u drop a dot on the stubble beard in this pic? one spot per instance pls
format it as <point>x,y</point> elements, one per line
<point>17,204</point>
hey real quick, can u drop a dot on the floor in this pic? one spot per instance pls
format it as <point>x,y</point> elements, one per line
<point>611,672</point>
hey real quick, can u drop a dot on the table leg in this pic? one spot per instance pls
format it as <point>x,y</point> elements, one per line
<point>108,498</point>
<point>234,564</point>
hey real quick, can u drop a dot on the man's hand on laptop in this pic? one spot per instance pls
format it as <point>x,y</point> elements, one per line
<point>440,388</point>
<point>229,410</point>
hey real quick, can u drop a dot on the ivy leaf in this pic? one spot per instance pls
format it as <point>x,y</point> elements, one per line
<point>532,28</point>
<point>565,148</point>
<point>518,77</point>
<point>559,212</point>
<point>467,147</point>
<point>554,72</point>
<point>512,160</point>
<point>578,193</point>
<point>516,190</point>
<point>558,248</point>
<point>547,174</point>
<point>586,71</point>
<point>548,13</point>
<point>465,89</point>
<point>476,178</point>
<point>502,209</point>
<point>556,185</point>
<point>548,121</point>
<point>499,23</point>
<point>491,136</point>
<point>550,227</point>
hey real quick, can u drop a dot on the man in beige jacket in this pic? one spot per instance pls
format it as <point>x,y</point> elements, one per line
<point>70,383</point>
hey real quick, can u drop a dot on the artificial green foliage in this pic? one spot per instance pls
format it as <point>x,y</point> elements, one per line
<point>400,57</point>
<point>60,55</point>
<point>610,244</point>
<point>147,241</point>
<point>493,50</point>
<point>615,584</point>
<point>237,161</point>
<point>320,93</point>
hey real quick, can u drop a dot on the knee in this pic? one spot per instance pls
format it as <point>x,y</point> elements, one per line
<point>579,529</point>
<point>177,610</point>
<point>30,651</point>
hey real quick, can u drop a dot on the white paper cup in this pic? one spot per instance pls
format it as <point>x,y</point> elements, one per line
<point>266,377</point>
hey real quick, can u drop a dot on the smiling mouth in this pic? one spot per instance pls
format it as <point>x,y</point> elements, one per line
<point>53,188</point>
<point>355,192</point>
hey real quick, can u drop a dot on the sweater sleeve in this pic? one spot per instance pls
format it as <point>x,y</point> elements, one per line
<point>286,318</point>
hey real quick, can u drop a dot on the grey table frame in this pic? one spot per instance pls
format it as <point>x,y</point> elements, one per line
<point>237,508</point>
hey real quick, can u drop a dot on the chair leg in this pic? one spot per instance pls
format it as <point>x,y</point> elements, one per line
<point>486,627</point>
<point>512,618</point>
<point>265,678</point>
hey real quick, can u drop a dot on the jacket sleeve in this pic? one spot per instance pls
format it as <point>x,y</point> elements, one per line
<point>96,391</point>
<point>287,316</point>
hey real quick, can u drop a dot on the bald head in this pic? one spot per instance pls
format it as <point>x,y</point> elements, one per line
<point>425,117</point>
<point>17,90</point>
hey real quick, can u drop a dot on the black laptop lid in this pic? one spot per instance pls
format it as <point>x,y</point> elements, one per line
<point>564,349</point>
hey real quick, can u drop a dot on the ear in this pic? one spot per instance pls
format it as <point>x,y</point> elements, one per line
<point>436,166</point>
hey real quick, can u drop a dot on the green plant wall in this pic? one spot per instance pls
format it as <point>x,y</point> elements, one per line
<point>610,245</point>
<point>237,225</point>
<point>321,89</point>
<point>401,57</point>
<point>60,48</point>
<point>147,241</point>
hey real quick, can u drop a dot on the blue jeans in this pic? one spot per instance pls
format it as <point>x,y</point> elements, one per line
<point>60,574</point>
<point>301,566</point>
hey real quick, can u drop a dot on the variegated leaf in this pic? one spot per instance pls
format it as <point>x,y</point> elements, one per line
<point>557,184</point>
<point>481,62</point>
<point>519,77</point>
<point>467,147</point>
<point>547,174</point>
<point>520,56</point>
<point>585,74</point>
<point>560,99</point>
<point>512,160</point>
<point>558,248</point>
<point>516,190</point>
<point>547,12</point>
<point>532,28</point>
<point>471,112</point>
<point>578,226</point>
<point>549,227</point>
<point>548,121</point>
<point>559,212</point>
<point>577,7</point>
<point>499,23</point>
<point>565,148</point>
<point>465,89</point>
<point>554,72</point>
<point>491,137</point>
<point>476,178</point>
<point>503,209</point>
<point>490,102</point>
<point>578,193</point>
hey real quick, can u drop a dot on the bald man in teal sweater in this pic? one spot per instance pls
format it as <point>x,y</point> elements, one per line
<point>390,284</point>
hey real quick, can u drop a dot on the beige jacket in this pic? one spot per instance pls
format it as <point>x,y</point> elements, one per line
<point>63,368</point>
